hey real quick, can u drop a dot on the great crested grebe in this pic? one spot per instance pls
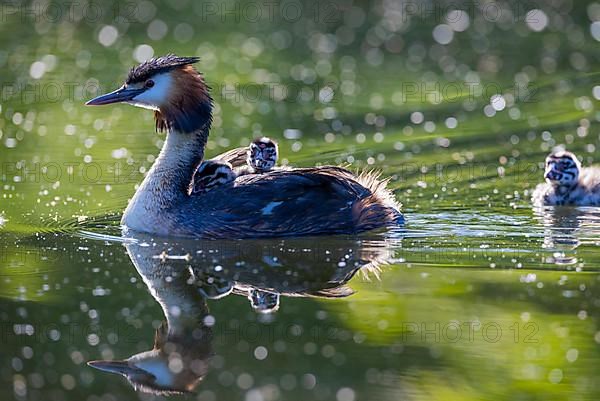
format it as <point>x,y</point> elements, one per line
<point>567,183</point>
<point>289,202</point>
<point>261,157</point>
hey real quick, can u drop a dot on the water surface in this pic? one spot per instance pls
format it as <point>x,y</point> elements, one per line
<point>479,297</point>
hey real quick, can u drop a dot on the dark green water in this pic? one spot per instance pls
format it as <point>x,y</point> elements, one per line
<point>480,297</point>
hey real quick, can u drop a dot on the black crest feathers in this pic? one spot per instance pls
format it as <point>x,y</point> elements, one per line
<point>145,70</point>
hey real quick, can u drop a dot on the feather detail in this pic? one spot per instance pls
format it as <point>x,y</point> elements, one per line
<point>189,106</point>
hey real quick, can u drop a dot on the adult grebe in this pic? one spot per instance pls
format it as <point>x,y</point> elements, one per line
<point>290,202</point>
<point>567,183</point>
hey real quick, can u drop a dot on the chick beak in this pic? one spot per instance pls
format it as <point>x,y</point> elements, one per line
<point>123,94</point>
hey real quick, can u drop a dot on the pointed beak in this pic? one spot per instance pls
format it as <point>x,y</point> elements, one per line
<point>119,367</point>
<point>122,94</point>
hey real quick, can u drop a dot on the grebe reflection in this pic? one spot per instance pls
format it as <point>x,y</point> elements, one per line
<point>566,229</point>
<point>182,276</point>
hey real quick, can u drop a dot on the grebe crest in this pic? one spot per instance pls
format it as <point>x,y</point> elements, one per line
<point>171,87</point>
<point>262,154</point>
<point>212,173</point>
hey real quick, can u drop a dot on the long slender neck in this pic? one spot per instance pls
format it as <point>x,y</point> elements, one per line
<point>169,178</point>
<point>169,283</point>
<point>167,183</point>
<point>186,116</point>
<point>180,155</point>
<point>183,306</point>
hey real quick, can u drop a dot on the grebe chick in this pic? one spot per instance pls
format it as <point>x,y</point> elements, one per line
<point>211,173</point>
<point>261,157</point>
<point>264,301</point>
<point>567,183</point>
<point>284,202</point>
<point>262,154</point>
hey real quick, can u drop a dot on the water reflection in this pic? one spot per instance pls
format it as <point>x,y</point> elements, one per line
<point>565,229</point>
<point>178,360</point>
<point>183,275</point>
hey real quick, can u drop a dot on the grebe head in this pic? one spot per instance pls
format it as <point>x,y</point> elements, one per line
<point>171,87</point>
<point>147,372</point>
<point>262,154</point>
<point>152,371</point>
<point>562,168</point>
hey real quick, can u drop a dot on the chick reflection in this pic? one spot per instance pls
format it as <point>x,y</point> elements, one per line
<point>182,275</point>
<point>566,228</point>
<point>265,270</point>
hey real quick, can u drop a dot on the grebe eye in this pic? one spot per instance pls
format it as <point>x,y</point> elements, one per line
<point>149,83</point>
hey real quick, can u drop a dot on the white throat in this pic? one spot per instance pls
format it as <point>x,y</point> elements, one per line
<point>165,185</point>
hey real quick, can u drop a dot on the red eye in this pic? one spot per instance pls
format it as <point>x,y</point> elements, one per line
<point>149,83</point>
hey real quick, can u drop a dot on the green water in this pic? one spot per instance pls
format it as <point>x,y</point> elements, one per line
<point>480,297</point>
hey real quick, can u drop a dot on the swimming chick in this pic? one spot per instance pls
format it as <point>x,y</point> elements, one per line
<point>567,183</point>
<point>261,157</point>
<point>290,202</point>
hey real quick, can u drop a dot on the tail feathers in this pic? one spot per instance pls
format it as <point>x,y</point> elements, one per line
<point>380,207</point>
